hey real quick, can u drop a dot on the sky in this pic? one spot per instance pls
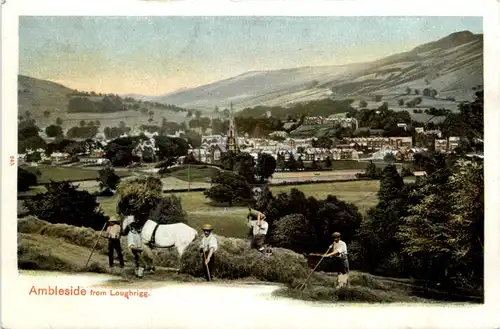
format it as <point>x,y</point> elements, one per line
<point>157,55</point>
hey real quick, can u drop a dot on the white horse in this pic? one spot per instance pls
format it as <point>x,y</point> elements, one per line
<point>154,235</point>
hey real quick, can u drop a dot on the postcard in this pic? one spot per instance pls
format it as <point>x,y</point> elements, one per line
<point>248,165</point>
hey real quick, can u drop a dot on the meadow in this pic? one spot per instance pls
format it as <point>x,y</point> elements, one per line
<point>231,221</point>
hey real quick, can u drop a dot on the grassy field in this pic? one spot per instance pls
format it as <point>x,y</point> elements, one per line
<point>193,173</point>
<point>232,221</point>
<point>58,173</point>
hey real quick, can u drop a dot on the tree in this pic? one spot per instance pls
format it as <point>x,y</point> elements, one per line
<point>427,92</point>
<point>291,163</point>
<point>197,114</point>
<point>378,98</point>
<point>108,179</point>
<point>138,197</point>
<point>266,165</point>
<point>389,158</point>
<point>363,104</point>
<point>59,121</point>
<point>401,102</point>
<point>169,147</point>
<point>54,131</point>
<point>46,114</point>
<point>229,187</point>
<point>119,151</point>
<point>291,232</point>
<point>300,163</point>
<point>408,90</point>
<point>417,92</point>
<point>82,123</point>
<point>25,179</point>
<point>189,113</point>
<point>244,164</point>
<point>64,203</point>
<point>168,211</point>
<point>444,230</point>
<point>328,162</point>
<point>379,245</point>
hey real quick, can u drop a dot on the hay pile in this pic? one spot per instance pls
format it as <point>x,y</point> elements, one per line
<point>234,260</point>
<point>87,237</point>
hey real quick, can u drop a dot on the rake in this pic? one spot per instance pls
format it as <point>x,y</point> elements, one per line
<point>303,285</point>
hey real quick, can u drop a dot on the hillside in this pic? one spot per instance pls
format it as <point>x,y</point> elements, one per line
<point>38,96</point>
<point>451,65</point>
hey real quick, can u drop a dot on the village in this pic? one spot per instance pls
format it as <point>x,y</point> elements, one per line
<point>213,146</point>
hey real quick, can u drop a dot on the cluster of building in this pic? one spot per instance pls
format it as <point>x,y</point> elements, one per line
<point>214,146</point>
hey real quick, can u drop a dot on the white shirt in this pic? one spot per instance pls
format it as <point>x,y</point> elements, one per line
<point>259,230</point>
<point>209,242</point>
<point>341,247</point>
<point>134,238</point>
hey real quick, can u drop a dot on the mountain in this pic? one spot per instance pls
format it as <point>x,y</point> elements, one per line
<point>452,65</point>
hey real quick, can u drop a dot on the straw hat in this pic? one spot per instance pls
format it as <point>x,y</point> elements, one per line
<point>113,219</point>
<point>336,235</point>
<point>207,227</point>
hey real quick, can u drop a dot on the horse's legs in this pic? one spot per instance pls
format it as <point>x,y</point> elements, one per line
<point>149,258</point>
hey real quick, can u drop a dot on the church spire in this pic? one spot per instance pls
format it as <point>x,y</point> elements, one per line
<point>232,137</point>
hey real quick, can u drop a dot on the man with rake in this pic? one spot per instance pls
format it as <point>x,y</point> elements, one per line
<point>339,251</point>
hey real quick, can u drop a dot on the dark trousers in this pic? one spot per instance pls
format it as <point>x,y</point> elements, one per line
<point>114,244</point>
<point>258,241</point>
<point>342,264</point>
<point>210,266</point>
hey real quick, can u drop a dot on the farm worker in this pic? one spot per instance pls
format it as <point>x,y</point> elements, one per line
<point>113,234</point>
<point>208,247</point>
<point>136,246</point>
<point>340,251</point>
<point>259,228</point>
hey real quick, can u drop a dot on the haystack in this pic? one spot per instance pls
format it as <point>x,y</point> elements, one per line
<point>235,259</point>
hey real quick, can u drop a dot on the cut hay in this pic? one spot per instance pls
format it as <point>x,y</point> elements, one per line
<point>32,257</point>
<point>87,237</point>
<point>30,224</point>
<point>234,260</point>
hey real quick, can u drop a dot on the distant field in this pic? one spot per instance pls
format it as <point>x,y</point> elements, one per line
<point>232,221</point>
<point>58,173</point>
<point>193,173</point>
<point>131,118</point>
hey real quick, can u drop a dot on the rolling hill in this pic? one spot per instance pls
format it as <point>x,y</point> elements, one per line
<point>37,96</point>
<point>451,65</point>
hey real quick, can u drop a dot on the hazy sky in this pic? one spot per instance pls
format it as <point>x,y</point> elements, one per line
<point>157,55</point>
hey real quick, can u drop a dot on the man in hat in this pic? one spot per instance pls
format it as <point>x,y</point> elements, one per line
<point>208,247</point>
<point>113,233</point>
<point>135,244</point>
<point>339,250</point>
<point>259,226</point>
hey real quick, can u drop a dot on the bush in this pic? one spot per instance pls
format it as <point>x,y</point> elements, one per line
<point>108,179</point>
<point>234,259</point>
<point>290,232</point>
<point>63,203</point>
<point>25,179</point>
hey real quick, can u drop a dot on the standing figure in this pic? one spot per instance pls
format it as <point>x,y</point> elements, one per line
<point>113,234</point>
<point>208,247</point>
<point>259,226</point>
<point>135,244</point>
<point>340,252</point>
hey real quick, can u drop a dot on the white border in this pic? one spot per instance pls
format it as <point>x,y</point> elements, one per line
<point>486,316</point>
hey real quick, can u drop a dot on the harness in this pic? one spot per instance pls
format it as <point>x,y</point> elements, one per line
<point>152,241</point>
